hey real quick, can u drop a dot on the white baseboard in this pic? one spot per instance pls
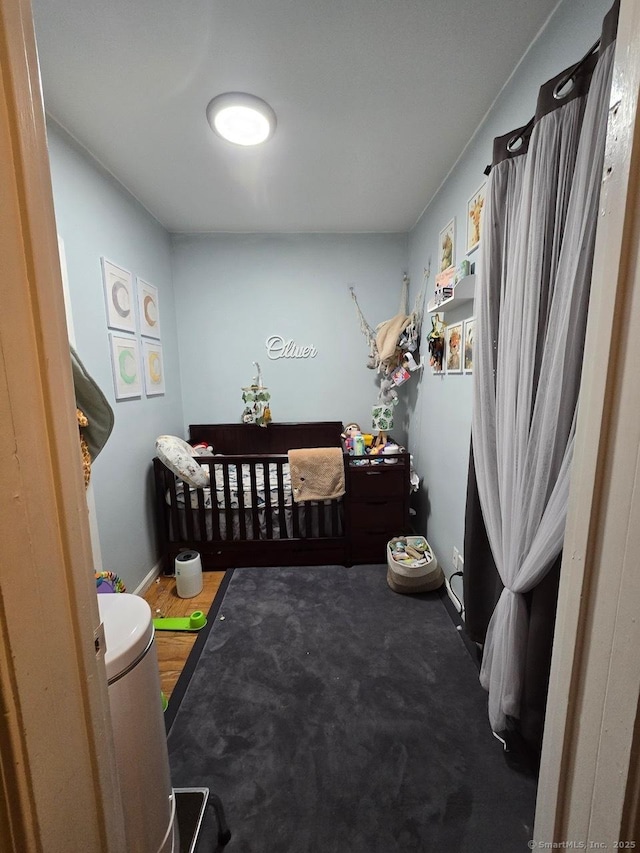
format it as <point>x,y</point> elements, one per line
<point>148,579</point>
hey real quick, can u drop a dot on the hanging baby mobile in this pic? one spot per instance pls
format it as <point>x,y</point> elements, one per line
<point>393,353</point>
<point>256,401</point>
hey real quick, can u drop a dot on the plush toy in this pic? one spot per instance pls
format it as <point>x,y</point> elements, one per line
<point>350,431</point>
<point>83,422</point>
<point>388,395</point>
<point>436,343</point>
<point>436,352</point>
<point>109,582</point>
<point>202,449</point>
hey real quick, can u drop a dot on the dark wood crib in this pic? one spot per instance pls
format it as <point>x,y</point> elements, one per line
<point>249,517</point>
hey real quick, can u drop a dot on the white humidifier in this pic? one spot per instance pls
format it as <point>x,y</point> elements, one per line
<point>188,569</point>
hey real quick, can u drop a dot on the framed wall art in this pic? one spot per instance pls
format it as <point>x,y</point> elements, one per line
<point>118,295</point>
<point>474,217</point>
<point>453,348</point>
<point>153,368</point>
<point>148,309</point>
<point>447,246</point>
<point>467,349</point>
<point>125,360</point>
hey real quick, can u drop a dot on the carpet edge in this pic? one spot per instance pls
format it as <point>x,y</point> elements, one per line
<point>177,694</point>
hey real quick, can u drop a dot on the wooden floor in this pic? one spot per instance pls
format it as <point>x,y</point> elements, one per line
<point>173,647</point>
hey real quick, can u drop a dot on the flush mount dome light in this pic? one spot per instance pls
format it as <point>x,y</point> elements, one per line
<point>241,118</point>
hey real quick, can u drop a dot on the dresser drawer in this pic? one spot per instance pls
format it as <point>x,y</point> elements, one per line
<point>377,481</point>
<point>369,549</point>
<point>377,516</point>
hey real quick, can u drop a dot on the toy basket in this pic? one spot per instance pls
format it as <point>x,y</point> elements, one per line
<point>408,573</point>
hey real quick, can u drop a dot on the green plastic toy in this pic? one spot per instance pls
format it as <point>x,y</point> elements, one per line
<point>194,622</point>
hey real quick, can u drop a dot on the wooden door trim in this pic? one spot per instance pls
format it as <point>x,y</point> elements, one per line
<point>58,780</point>
<point>587,788</point>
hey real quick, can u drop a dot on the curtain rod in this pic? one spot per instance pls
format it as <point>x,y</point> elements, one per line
<point>511,144</point>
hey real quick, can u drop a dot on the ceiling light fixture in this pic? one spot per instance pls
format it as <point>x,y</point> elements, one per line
<point>240,118</point>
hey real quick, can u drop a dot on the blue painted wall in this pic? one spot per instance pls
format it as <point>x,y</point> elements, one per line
<point>237,290</point>
<point>441,422</point>
<point>95,217</point>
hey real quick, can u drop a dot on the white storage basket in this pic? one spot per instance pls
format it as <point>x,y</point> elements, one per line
<point>413,575</point>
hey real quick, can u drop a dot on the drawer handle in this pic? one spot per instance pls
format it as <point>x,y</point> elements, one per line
<point>373,473</point>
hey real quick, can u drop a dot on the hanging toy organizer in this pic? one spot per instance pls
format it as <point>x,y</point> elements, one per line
<point>393,353</point>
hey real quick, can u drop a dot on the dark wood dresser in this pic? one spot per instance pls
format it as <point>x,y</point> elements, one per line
<point>376,505</point>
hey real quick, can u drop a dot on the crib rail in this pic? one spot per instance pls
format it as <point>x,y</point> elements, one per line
<point>256,523</point>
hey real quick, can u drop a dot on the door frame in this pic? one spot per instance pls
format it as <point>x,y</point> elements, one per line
<point>589,785</point>
<point>58,780</point>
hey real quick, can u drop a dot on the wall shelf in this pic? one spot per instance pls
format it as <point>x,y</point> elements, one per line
<point>462,292</point>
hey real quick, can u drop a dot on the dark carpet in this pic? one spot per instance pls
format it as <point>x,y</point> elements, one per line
<point>332,715</point>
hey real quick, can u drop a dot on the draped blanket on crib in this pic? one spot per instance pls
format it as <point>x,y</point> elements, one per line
<point>317,473</point>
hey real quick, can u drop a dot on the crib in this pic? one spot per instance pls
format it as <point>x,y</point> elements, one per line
<point>247,517</point>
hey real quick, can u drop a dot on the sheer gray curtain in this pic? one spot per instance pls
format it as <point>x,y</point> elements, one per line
<point>534,273</point>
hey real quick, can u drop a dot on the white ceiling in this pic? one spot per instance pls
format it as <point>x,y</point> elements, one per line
<point>375,100</point>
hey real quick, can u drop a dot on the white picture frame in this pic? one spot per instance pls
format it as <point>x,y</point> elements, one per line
<point>447,247</point>
<point>474,217</point>
<point>153,362</point>
<point>118,296</point>
<point>453,348</point>
<point>125,361</point>
<point>468,344</point>
<point>148,309</point>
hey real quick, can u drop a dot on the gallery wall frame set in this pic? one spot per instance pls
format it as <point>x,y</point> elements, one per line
<point>459,336</point>
<point>137,364</point>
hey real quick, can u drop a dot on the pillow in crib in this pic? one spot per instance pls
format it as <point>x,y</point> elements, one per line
<point>177,455</point>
